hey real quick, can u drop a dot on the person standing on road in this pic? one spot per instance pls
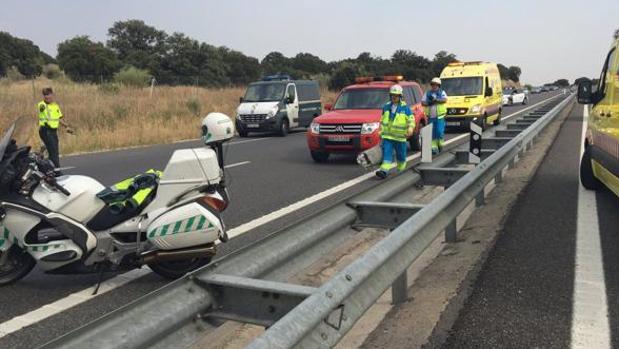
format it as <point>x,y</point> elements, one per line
<point>434,102</point>
<point>50,117</point>
<point>397,124</point>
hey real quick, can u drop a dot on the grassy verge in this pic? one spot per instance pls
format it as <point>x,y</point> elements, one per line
<point>112,116</point>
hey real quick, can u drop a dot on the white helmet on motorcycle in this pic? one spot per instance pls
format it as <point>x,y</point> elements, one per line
<point>217,128</point>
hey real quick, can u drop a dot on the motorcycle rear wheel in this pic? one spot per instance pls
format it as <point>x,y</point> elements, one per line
<point>17,264</point>
<point>177,269</point>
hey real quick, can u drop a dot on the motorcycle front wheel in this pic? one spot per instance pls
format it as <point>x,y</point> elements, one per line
<point>177,269</point>
<point>15,263</point>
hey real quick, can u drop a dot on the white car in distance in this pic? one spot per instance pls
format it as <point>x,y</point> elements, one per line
<point>514,96</point>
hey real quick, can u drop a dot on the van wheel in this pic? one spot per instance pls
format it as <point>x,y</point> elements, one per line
<point>587,178</point>
<point>17,264</point>
<point>319,156</point>
<point>498,118</point>
<point>415,141</point>
<point>243,134</point>
<point>284,128</point>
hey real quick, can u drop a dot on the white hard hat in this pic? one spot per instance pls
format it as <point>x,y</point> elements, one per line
<point>436,81</point>
<point>396,90</point>
<point>217,128</point>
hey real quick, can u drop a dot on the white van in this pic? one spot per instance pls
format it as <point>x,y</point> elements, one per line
<point>278,104</point>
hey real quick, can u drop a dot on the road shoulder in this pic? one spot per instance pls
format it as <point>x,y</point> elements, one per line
<point>438,295</point>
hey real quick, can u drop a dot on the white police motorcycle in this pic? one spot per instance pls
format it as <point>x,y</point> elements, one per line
<point>73,224</point>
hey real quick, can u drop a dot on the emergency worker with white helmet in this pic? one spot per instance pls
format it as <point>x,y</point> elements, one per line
<point>434,102</point>
<point>396,125</point>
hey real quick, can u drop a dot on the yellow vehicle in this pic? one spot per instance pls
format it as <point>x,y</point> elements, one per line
<point>473,90</point>
<point>599,165</point>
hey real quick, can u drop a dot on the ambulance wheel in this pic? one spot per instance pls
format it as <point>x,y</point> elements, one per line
<point>17,264</point>
<point>497,121</point>
<point>319,156</point>
<point>177,269</point>
<point>587,178</point>
<point>284,128</point>
<point>242,134</point>
<point>415,141</point>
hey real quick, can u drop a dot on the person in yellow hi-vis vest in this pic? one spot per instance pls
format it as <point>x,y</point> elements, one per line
<point>396,125</point>
<point>434,102</point>
<point>50,117</point>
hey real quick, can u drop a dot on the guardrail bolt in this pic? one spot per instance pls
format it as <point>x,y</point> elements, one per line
<point>348,277</point>
<point>324,336</point>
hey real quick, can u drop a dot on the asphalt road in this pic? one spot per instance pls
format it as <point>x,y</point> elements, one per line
<point>525,294</point>
<point>272,173</point>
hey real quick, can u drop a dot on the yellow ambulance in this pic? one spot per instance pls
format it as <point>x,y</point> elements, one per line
<point>599,165</point>
<point>474,91</point>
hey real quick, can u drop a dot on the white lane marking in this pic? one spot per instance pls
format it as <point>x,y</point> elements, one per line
<point>77,298</point>
<point>590,325</point>
<point>238,164</point>
<point>30,318</point>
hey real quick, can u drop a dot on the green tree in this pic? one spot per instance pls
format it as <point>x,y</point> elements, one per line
<point>22,54</point>
<point>440,61</point>
<point>503,71</point>
<point>86,60</point>
<point>137,43</point>
<point>562,83</point>
<point>513,73</point>
<point>344,75</point>
<point>308,64</point>
<point>240,69</point>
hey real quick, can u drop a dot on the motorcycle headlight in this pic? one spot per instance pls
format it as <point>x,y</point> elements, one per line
<point>369,128</point>
<point>272,112</point>
<point>476,108</point>
<point>315,128</point>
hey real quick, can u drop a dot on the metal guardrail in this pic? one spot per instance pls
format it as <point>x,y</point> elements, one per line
<point>248,285</point>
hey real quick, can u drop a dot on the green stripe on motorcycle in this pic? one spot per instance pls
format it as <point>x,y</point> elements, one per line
<point>177,227</point>
<point>2,242</point>
<point>152,233</point>
<point>190,223</point>
<point>201,223</point>
<point>164,230</point>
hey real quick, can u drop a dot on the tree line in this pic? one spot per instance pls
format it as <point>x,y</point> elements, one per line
<point>133,47</point>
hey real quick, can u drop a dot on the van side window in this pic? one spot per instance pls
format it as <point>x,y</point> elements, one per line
<point>602,82</point>
<point>291,92</point>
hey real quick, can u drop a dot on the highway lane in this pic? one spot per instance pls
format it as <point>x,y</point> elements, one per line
<point>543,284</point>
<point>280,172</point>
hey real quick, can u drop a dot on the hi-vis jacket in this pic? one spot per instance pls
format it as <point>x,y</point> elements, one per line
<point>394,126</point>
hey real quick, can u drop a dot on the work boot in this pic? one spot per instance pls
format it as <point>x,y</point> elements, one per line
<point>381,174</point>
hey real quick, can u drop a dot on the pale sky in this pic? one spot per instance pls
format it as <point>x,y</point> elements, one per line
<point>547,39</point>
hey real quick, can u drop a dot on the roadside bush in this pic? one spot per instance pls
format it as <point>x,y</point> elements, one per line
<point>52,71</point>
<point>13,74</point>
<point>194,106</point>
<point>109,87</point>
<point>133,77</point>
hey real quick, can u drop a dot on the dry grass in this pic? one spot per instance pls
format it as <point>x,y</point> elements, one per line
<point>105,117</point>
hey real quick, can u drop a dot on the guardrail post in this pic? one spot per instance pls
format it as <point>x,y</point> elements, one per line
<point>512,163</point>
<point>480,199</point>
<point>499,177</point>
<point>451,231</point>
<point>399,289</point>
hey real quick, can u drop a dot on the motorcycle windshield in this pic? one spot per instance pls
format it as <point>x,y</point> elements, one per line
<point>19,131</point>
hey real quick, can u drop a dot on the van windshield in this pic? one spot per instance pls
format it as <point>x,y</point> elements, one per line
<point>265,92</point>
<point>362,98</point>
<point>470,86</point>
